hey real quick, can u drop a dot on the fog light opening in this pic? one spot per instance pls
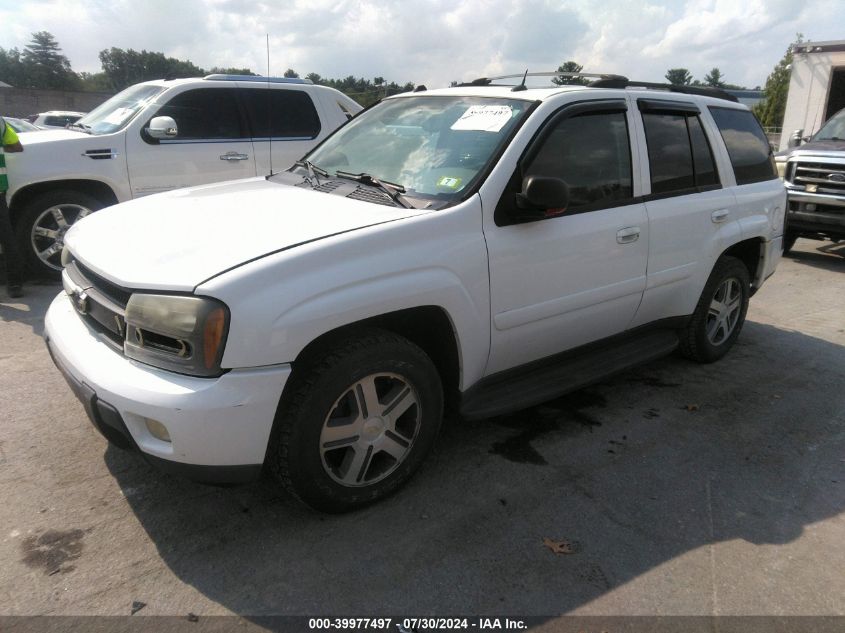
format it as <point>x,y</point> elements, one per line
<point>157,430</point>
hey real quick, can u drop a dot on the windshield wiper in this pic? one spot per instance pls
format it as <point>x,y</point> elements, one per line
<point>81,126</point>
<point>391,189</point>
<point>312,169</point>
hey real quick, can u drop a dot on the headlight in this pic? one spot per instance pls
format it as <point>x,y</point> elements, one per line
<point>182,334</point>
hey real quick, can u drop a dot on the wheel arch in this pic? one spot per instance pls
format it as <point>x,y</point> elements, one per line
<point>94,188</point>
<point>751,253</point>
<point>429,327</point>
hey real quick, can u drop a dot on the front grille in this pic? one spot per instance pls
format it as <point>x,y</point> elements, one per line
<point>100,303</point>
<point>829,178</point>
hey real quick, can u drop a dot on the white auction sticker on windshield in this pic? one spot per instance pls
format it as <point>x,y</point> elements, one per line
<point>118,116</point>
<point>484,118</point>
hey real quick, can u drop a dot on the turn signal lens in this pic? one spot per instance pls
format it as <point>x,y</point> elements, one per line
<point>212,336</point>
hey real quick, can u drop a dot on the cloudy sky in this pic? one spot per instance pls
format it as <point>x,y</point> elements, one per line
<point>436,41</point>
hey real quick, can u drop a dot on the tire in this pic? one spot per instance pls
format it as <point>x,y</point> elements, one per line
<point>711,334</point>
<point>789,239</point>
<point>328,448</point>
<point>41,228</point>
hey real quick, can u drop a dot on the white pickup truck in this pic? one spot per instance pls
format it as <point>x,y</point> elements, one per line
<point>483,247</point>
<point>157,136</point>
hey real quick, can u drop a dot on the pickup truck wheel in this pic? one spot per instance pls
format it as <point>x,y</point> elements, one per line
<point>720,313</point>
<point>356,421</point>
<point>789,239</point>
<point>41,228</point>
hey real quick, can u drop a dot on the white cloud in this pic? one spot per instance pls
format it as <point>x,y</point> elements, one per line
<point>436,41</point>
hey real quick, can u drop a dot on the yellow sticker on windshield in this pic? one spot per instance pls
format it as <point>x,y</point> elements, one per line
<point>449,183</point>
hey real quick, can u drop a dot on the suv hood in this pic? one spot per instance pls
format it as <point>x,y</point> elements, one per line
<point>177,240</point>
<point>819,147</point>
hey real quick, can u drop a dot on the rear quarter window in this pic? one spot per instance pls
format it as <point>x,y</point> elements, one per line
<point>281,113</point>
<point>748,147</point>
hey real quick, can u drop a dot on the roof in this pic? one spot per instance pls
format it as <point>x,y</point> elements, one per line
<point>828,46</point>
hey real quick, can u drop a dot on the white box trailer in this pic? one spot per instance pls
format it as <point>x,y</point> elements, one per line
<point>816,87</point>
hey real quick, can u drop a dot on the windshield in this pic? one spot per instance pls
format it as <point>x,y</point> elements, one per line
<point>434,147</point>
<point>115,113</point>
<point>833,130</point>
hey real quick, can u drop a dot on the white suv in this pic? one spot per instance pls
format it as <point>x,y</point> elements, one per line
<point>157,136</point>
<point>480,246</point>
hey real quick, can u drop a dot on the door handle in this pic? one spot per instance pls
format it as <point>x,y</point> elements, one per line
<point>628,235</point>
<point>720,216</point>
<point>232,156</point>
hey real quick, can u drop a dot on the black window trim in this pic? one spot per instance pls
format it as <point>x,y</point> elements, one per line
<point>665,106</point>
<point>567,111</point>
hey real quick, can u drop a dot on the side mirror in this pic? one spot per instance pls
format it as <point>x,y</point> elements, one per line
<point>795,139</point>
<point>162,127</point>
<point>541,197</point>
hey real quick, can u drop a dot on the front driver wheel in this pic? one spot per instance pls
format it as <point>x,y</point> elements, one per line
<point>41,229</point>
<point>356,421</point>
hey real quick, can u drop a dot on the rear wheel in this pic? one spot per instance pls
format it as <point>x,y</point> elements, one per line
<point>720,313</point>
<point>41,228</point>
<point>356,421</point>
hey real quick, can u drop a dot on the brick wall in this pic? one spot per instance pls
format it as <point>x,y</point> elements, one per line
<point>21,102</point>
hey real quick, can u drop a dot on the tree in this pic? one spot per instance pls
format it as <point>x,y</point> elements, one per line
<point>126,67</point>
<point>770,112</point>
<point>570,67</point>
<point>290,73</point>
<point>44,65</point>
<point>678,76</point>
<point>217,70</point>
<point>11,67</point>
<point>714,78</point>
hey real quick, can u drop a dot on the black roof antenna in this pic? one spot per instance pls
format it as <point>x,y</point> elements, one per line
<point>521,86</point>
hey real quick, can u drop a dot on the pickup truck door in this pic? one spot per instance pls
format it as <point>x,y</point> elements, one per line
<point>576,276</point>
<point>212,144</point>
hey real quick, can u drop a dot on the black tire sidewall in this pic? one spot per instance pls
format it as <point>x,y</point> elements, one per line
<point>31,212</point>
<point>304,467</point>
<point>726,268</point>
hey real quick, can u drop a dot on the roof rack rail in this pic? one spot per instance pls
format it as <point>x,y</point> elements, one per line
<point>257,79</point>
<point>702,91</point>
<point>487,81</point>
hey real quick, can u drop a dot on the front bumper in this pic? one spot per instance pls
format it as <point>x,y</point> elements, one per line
<point>219,427</point>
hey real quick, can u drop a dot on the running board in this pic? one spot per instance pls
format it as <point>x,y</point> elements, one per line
<point>522,387</point>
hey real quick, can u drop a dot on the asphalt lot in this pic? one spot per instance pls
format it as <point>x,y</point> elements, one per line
<point>680,488</point>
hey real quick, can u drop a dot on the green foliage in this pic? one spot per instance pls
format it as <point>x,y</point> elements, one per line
<point>44,66</point>
<point>362,90</point>
<point>94,82</point>
<point>126,67</point>
<point>679,76</point>
<point>217,70</point>
<point>714,78</point>
<point>11,67</point>
<point>291,74</point>
<point>570,67</point>
<point>41,65</point>
<point>771,111</point>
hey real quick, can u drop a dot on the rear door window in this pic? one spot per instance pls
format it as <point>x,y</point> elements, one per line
<point>748,147</point>
<point>281,113</point>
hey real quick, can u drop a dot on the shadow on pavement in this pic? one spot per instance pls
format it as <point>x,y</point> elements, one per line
<point>827,255</point>
<point>632,473</point>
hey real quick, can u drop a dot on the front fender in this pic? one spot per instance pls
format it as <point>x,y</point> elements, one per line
<point>281,303</point>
